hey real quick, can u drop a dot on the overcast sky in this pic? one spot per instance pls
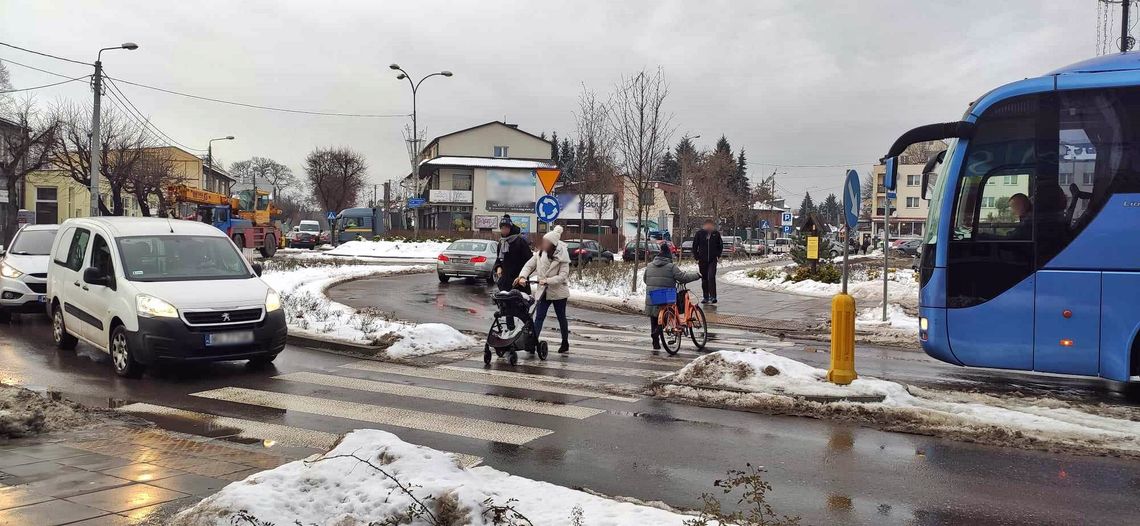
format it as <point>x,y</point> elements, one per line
<point>793,83</point>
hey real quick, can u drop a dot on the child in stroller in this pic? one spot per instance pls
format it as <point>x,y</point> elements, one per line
<point>509,339</point>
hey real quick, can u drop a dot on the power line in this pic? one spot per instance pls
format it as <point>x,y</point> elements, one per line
<point>34,52</point>
<point>118,95</point>
<point>6,61</point>
<point>270,108</point>
<point>47,85</point>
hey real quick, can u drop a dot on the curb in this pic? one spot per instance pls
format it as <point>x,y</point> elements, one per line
<point>332,345</point>
<point>822,399</point>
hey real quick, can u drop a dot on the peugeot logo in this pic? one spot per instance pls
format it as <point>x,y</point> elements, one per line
<point>225,316</point>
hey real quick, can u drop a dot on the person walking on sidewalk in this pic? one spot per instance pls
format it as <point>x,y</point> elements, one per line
<point>551,265</point>
<point>707,248</point>
<point>662,273</point>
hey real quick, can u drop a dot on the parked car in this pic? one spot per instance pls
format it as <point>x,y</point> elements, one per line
<point>591,251</point>
<point>687,248</point>
<point>733,247</point>
<point>755,247</point>
<point>837,247</point>
<point>23,270</point>
<point>146,290</point>
<point>909,247</point>
<point>647,251</point>
<point>307,234</point>
<point>781,245</point>
<point>471,259</point>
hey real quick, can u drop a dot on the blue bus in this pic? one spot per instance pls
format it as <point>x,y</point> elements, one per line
<point>1031,255</point>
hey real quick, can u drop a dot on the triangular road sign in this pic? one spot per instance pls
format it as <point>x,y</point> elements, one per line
<point>548,177</point>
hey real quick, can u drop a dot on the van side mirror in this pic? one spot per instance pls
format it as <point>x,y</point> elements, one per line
<point>890,179</point>
<point>257,268</point>
<point>94,276</point>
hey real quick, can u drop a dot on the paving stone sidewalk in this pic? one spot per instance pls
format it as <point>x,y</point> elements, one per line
<point>115,475</point>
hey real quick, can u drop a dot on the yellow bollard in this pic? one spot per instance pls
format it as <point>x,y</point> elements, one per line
<point>842,369</point>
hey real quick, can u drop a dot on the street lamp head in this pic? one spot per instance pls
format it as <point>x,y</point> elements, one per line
<point>445,73</point>
<point>130,45</point>
<point>394,66</point>
<point>229,137</point>
<point>401,76</point>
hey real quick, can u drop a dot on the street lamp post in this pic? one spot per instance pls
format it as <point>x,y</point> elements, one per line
<point>96,140</point>
<point>414,150</point>
<point>210,156</point>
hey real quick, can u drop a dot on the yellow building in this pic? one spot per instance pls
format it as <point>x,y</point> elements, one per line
<point>53,195</point>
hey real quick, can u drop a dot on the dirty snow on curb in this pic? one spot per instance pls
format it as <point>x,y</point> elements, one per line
<point>902,286</point>
<point>310,312</point>
<point>764,375</point>
<point>898,321</point>
<point>613,288</point>
<point>418,251</point>
<point>336,488</point>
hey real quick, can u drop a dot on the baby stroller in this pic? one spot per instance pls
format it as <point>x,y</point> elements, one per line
<point>513,304</point>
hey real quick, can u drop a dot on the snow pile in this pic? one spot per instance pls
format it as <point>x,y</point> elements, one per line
<point>338,489</point>
<point>760,380</point>
<point>411,250</point>
<point>309,312</point>
<point>863,286</point>
<point>898,321</point>
<point>25,413</point>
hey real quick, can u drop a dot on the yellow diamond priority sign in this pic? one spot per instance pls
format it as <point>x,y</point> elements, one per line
<point>548,177</point>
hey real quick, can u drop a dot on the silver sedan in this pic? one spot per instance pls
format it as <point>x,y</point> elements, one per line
<point>468,258</point>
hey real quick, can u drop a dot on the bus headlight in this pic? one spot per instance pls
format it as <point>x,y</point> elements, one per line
<point>923,324</point>
<point>272,301</point>
<point>152,307</point>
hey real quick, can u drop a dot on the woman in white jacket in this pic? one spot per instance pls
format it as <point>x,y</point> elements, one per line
<point>551,265</point>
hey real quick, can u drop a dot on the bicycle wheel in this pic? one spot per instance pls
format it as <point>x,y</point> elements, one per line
<point>698,329</point>
<point>671,332</point>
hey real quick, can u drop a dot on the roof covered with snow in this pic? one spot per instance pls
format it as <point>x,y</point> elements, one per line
<point>487,162</point>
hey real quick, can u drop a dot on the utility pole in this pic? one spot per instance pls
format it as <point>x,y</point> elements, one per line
<point>1125,40</point>
<point>387,205</point>
<point>96,147</point>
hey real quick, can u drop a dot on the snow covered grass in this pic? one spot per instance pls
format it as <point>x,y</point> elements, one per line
<point>310,312</point>
<point>26,413</point>
<point>420,251</point>
<point>763,381</point>
<point>865,284</point>
<point>373,477</point>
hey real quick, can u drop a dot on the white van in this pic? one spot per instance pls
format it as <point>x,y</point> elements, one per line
<point>148,289</point>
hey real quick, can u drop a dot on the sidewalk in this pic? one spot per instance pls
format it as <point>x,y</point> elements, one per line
<point>116,475</point>
<point>747,307</point>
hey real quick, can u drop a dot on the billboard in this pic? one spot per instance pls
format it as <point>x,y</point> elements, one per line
<point>510,191</point>
<point>450,196</point>
<point>486,221</point>
<point>574,208</point>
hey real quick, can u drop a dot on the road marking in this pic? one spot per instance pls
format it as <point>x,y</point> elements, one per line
<point>712,330</point>
<point>583,349</point>
<point>533,382</point>
<point>635,348</point>
<point>285,435</point>
<point>639,343</point>
<point>589,368</point>
<point>443,395</point>
<point>424,421</point>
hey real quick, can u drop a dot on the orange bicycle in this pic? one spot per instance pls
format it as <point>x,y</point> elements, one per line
<point>680,318</point>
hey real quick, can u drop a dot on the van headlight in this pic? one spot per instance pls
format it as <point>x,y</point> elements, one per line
<point>152,307</point>
<point>9,271</point>
<point>272,301</point>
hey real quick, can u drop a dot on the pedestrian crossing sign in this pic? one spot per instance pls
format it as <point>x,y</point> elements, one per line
<point>548,177</point>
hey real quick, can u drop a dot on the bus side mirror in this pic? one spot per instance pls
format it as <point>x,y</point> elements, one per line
<point>890,179</point>
<point>925,184</point>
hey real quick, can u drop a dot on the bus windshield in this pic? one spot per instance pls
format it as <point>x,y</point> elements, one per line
<point>936,192</point>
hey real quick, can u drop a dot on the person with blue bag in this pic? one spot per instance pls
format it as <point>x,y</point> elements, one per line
<point>661,278</point>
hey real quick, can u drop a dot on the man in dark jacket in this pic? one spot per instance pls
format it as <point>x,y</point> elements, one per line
<point>707,248</point>
<point>514,252</point>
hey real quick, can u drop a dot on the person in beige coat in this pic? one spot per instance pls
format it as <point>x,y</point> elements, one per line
<point>551,267</point>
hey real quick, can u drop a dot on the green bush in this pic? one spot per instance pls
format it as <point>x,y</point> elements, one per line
<point>765,273</point>
<point>823,273</point>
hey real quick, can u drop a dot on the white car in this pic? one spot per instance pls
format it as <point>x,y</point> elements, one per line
<point>147,290</point>
<point>23,271</point>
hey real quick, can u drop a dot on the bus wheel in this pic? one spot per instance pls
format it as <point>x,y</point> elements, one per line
<point>269,247</point>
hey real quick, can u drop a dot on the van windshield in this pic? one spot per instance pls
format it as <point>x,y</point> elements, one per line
<point>181,258</point>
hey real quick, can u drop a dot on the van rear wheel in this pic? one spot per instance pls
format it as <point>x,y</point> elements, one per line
<point>122,356</point>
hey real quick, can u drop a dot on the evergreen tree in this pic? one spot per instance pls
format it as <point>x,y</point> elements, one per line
<point>831,210</point>
<point>568,161</point>
<point>742,166</point>
<point>807,207</point>
<point>722,146</point>
<point>670,171</point>
<point>555,153</point>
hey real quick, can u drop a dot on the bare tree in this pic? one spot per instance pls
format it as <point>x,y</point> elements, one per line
<point>25,147</point>
<point>150,177</point>
<point>594,162</point>
<point>265,170</point>
<point>123,145</point>
<point>336,175</point>
<point>642,131</point>
<point>715,200</point>
<point>8,107</point>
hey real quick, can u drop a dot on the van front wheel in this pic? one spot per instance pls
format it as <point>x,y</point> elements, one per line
<point>122,357</point>
<point>63,340</point>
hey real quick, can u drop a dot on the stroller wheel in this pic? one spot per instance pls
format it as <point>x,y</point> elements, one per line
<point>500,353</point>
<point>514,358</point>
<point>543,350</point>
<point>487,356</point>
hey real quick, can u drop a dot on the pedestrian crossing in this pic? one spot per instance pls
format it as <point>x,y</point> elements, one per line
<point>455,404</point>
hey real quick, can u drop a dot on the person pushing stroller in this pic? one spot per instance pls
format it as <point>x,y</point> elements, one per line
<point>551,267</point>
<point>662,273</point>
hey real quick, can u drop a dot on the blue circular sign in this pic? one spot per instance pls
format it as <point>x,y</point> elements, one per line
<point>547,208</point>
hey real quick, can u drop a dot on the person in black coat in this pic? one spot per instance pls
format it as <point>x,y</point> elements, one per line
<point>707,248</point>
<point>514,252</point>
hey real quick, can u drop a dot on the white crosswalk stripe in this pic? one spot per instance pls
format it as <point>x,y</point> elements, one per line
<point>587,350</point>
<point>421,420</point>
<point>590,368</point>
<point>634,348</point>
<point>631,341</point>
<point>533,382</point>
<point>252,429</point>
<point>443,395</point>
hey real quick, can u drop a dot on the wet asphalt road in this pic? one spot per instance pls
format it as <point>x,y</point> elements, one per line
<point>830,473</point>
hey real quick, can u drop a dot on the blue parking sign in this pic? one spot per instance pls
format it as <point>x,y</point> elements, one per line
<point>787,229</point>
